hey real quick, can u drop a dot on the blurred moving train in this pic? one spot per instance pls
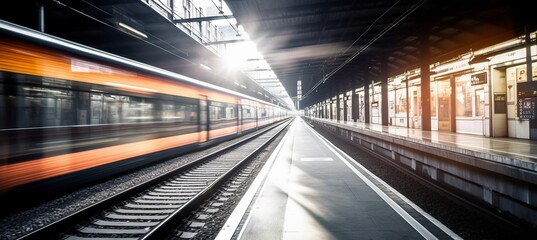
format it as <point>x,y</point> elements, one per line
<point>70,113</point>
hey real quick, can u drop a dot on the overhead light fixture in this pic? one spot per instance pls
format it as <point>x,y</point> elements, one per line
<point>205,67</point>
<point>131,30</point>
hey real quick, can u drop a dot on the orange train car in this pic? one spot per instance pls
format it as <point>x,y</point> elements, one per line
<point>70,114</point>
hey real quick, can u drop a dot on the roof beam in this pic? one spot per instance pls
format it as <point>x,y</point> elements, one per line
<point>202,19</point>
<point>225,42</point>
<point>257,70</point>
<point>267,79</point>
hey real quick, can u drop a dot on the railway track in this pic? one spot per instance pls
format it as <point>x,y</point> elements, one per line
<point>153,209</point>
<point>209,218</point>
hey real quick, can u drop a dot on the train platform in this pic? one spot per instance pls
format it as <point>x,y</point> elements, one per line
<point>309,189</point>
<point>500,173</point>
<point>522,152</point>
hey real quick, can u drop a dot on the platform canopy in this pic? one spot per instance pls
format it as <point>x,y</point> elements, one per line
<point>327,45</point>
<point>332,45</point>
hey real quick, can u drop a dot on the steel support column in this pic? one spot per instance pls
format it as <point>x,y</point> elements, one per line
<point>366,103</point>
<point>355,112</point>
<point>425,79</point>
<point>384,92</point>
<point>338,108</point>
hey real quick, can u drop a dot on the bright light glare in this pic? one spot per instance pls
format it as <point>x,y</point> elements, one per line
<point>237,54</point>
<point>205,66</point>
<point>132,30</point>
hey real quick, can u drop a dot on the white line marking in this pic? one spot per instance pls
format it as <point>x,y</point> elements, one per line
<point>316,159</point>
<point>415,224</point>
<point>412,204</point>
<point>232,223</point>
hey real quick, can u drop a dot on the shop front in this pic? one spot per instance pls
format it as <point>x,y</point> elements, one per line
<point>509,89</point>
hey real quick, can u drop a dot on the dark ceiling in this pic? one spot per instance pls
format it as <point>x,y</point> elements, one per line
<point>350,42</point>
<point>346,42</point>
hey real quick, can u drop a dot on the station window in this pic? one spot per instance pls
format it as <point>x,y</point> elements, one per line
<point>433,100</point>
<point>186,8</point>
<point>464,92</point>
<point>165,3</point>
<point>479,102</point>
<point>208,26</point>
<point>401,101</point>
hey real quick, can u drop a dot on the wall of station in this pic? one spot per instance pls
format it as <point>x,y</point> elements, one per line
<point>202,31</point>
<point>471,97</point>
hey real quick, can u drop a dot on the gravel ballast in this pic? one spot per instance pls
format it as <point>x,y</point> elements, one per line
<point>17,224</point>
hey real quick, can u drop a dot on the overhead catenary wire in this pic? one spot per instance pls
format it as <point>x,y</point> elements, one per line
<point>236,29</point>
<point>221,11</point>
<point>368,28</point>
<point>363,33</point>
<point>59,2</point>
<point>359,51</point>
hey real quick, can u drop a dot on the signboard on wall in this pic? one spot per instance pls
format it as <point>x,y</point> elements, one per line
<point>500,104</point>
<point>479,78</point>
<point>527,89</point>
<point>527,108</point>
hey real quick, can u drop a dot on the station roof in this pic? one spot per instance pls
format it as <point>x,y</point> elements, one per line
<point>347,42</point>
<point>95,23</point>
<point>340,43</point>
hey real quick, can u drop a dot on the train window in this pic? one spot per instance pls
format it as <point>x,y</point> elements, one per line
<point>81,108</point>
<point>169,114</point>
<point>192,112</point>
<point>262,112</point>
<point>66,113</point>
<point>216,111</point>
<point>139,110</point>
<point>222,114</point>
<point>96,108</point>
<point>245,112</point>
<point>178,112</point>
<point>40,106</point>
<point>248,113</point>
<point>230,111</point>
<point>112,107</point>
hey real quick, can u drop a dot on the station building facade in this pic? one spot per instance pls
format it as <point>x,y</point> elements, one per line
<point>485,92</point>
